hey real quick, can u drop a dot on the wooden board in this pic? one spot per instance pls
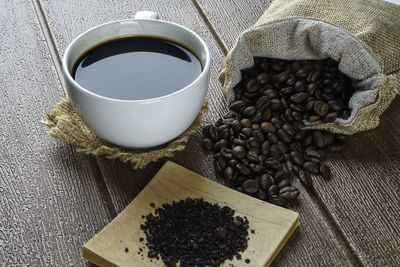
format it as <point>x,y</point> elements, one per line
<point>273,225</point>
<point>50,199</point>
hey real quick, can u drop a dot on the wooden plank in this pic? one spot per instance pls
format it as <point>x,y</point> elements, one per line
<point>50,203</point>
<point>316,242</point>
<point>363,198</point>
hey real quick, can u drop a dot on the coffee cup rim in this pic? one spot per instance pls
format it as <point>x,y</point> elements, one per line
<point>69,77</point>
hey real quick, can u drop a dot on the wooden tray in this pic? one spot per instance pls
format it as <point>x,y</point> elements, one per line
<point>273,225</point>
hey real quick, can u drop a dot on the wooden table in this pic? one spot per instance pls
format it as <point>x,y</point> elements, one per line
<point>53,199</point>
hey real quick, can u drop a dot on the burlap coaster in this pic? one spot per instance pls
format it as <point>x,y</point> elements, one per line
<point>66,125</point>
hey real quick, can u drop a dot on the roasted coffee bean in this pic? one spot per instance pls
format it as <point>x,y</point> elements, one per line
<point>302,73</point>
<point>304,178</point>
<point>312,159</point>
<point>237,105</point>
<point>207,144</point>
<point>250,186</point>
<point>321,108</point>
<point>283,76</point>
<point>265,148</point>
<point>272,163</point>
<point>300,86</point>
<point>239,142</point>
<point>325,171</point>
<point>311,167</point>
<point>252,156</point>
<point>220,144</point>
<point>226,153</point>
<point>274,104</point>
<point>331,117</point>
<point>261,103</point>
<point>283,136</point>
<point>246,123</point>
<point>297,157</point>
<point>312,153</point>
<point>268,127</point>
<point>228,173</point>
<point>280,175</point>
<point>284,183</point>
<point>272,138</point>
<point>318,139</point>
<point>272,190</point>
<point>307,140</point>
<point>252,86</point>
<point>286,91</point>
<point>299,97</point>
<point>239,152</point>
<point>314,118</point>
<point>242,168</point>
<point>329,138</point>
<point>266,181</point>
<point>247,132</point>
<point>263,78</point>
<point>311,88</point>
<point>313,76</point>
<point>283,103</point>
<point>297,116</point>
<point>289,192</point>
<point>249,111</point>
<point>271,93</point>
<point>254,142</point>
<point>282,147</point>
<point>296,107</point>
<point>288,129</point>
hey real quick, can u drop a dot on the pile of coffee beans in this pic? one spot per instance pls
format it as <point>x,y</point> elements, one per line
<point>260,144</point>
<point>194,232</point>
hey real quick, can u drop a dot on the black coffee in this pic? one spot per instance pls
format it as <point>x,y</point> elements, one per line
<point>136,68</point>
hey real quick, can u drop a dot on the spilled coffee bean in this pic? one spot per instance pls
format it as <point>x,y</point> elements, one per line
<point>194,232</point>
<point>261,143</point>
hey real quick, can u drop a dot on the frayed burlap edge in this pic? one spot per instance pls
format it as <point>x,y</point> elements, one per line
<point>386,94</point>
<point>66,125</point>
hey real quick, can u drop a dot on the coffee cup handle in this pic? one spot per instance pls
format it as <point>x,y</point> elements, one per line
<point>146,15</point>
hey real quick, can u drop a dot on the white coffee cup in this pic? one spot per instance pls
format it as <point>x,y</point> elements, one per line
<point>141,123</point>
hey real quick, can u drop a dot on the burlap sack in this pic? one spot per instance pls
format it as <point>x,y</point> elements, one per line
<point>362,35</point>
<point>66,125</point>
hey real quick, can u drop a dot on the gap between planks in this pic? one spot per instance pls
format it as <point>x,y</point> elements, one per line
<point>210,27</point>
<point>97,173</point>
<point>340,235</point>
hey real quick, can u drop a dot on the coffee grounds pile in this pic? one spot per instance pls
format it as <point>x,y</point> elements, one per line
<point>193,232</point>
<point>260,144</point>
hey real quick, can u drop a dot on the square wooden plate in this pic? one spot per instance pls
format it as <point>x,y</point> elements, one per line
<point>273,225</point>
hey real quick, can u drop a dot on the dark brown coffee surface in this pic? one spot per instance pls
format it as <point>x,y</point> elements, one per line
<point>136,68</point>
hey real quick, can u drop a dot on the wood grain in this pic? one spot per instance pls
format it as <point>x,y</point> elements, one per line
<point>315,243</point>
<point>363,198</point>
<point>50,203</point>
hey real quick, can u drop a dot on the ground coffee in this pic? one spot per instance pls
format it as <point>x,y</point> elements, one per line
<point>194,232</point>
